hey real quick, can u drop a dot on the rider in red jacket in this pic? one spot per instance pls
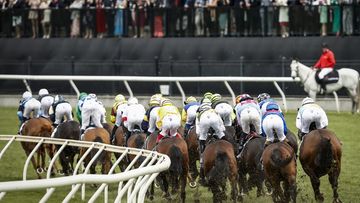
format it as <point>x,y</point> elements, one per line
<point>326,63</point>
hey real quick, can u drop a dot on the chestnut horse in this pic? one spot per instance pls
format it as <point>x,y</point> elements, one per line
<point>280,166</point>
<point>194,155</point>
<point>68,130</point>
<point>320,154</point>
<point>176,176</point>
<point>136,140</point>
<point>97,135</point>
<point>219,165</point>
<point>39,127</point>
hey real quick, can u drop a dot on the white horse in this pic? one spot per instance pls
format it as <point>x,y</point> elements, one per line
<point>348,78</point>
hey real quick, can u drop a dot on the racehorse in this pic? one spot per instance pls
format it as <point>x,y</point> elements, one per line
<point>108,127</point>
<point>280,166</point>
<point>292,141</point>
<point>348,78</point>
<point>136,140</point>
<point>220,164</point>
<point>177,174</point>
<point>68,130</point>
<point>39,127</point>
<point>249,163</point>
<point>320,154</point>
<point>97,135</point>
<point>194,155</point>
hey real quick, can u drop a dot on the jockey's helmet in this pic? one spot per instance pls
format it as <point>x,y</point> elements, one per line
<point>245,97</point>
<point>190,99</point>
<point>58,98</point>
<point>215,98</point>
<point>155,101</point>
<point>132,101</point>
<point>27,95</point>
<point>263,96</point>
<point>307,100</point>
<point>272,106</point>
<point>92,96</point>
<point>120,98</point>
<point>82,96</point>
<point>43,91</point>
<point>208,95</point>
<point>156,96</point>
<point>166,102</point>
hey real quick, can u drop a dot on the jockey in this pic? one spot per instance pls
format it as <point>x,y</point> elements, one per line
<point>119,99</point>
<point>61,108</point>
<point>308,113</point>
<point>273,122</point>
<point>91,113</point>
<point>224,109</point>
<point>46,101</point>
<point>247,113</point>
<point>168,120</point>
<point>207,118</point>
<point>188,114</point>
<point>326,64</point>
<point>81,99</point>
<point>118,119</point>
<point>263,100</point>
<point>26,105</point>
<point>207,95</point>
<point>133,116</point>
<point>149,122</point>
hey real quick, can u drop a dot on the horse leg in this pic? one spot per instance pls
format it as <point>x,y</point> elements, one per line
<point>34,163</point>
<point>315,182</point>
<point>333,179</point>
<point>242,183</point>
<point>259,183</point>
<point>183,185</point>
<point>164,185</point>
<point>50,151</point>
<point>234,191</point>
<point>64,164</point>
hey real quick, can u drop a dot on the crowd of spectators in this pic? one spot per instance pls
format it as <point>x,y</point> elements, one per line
<point>178,18</point>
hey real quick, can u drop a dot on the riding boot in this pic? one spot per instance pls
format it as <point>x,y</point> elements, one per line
<point>267,143</point>
<point>127,136</point>
<point>323,87</point>
<point>112,136</point>
<point>242,141</point>
<point>302,135</point>
<point>147,134</point>
<point>202,145</point>
<point>55,125</point>
<point>81,133</point>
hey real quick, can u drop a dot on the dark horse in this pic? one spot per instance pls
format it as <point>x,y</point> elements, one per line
<point>39,127</point>
<point>136,140</point>
<point>68,130</point>
<point>280,166</point>
<point>97,135</point>
<point>176,176</point>
<point>219,165</point>
<point>194,155</point>
<point>320,154</point>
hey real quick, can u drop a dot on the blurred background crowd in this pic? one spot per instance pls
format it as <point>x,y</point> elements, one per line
<point>178,18</point>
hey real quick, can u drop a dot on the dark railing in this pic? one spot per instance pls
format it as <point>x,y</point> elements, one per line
<point>228,21</point>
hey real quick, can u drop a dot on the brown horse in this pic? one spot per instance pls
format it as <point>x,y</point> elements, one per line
<point>39,127</point>
<point>194,155</point>
<point>68,130</point>
<point>320,154</point>
<point>136,140</point>
<point>280,166</point>
<point>292,141</point>
<point>97,135</point>
<point>249,164</point>
<point>108,127</point>
<point>220,164</point>
<point>176,176</point>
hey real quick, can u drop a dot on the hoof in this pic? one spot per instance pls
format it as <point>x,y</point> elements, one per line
<point>193,184</point>
<point>337,200</point>
<point>40,170</point>
<point>320,198</point>
<point>60,172</point>
<point>151,197</point>
<point>269,192</point>
<point>156,185</point>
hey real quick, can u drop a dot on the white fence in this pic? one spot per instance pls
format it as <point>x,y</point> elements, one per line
<point>138,179</point>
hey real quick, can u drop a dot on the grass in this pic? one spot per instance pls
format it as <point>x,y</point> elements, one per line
<point>344,125</point>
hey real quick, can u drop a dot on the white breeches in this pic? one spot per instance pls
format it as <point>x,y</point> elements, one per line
<point>250,116</point>
<point>271,124</point>
<point>152,119</point>
<point>323,72</point>
<point>134,117</point>
<point>170,125</point>
<point>313,115</point>
<point>91,110</point>
<point>63,109</point>
<point>209,120</point>
<point>191,114</point>
<point>46,103</point>
<point>224,110</point>
<point>32,105</point>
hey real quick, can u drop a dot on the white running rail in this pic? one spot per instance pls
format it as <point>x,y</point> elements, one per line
<point>137,178</point>
<point>177,80</point>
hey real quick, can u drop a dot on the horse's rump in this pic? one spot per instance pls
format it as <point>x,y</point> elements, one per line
<point>324,157</point>
<point>277,158</point>
<point>220,170</point>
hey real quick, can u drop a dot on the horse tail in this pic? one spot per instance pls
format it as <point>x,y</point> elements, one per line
<point>324,157</point>
<point>176,158</point>
<point>277,160</point>
<point>220,170</point>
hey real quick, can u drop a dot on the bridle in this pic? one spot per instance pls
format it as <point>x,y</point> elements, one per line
<point>297,73</point>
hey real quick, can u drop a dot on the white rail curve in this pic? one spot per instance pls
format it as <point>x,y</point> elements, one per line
<point>138,179</point>
<point>177,80</point>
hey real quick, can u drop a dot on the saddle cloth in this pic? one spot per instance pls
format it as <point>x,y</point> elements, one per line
<point>332,77</point>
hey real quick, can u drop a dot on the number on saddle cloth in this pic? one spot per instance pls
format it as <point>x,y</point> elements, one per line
<point>332,77</point>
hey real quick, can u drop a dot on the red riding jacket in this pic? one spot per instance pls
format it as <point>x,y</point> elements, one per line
<point>327,60</point>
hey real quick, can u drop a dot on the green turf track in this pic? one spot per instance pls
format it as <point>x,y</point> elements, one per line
<point>345,125</point>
